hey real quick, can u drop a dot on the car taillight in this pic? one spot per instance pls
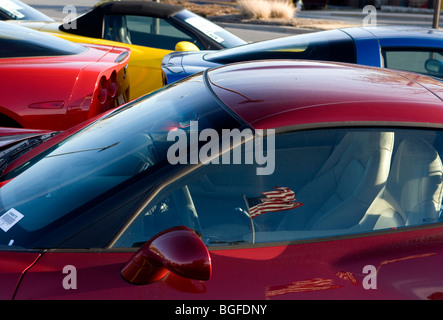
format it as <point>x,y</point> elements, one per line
<point>103,90</point>
<point>113,85</point>
<point>107,93</point>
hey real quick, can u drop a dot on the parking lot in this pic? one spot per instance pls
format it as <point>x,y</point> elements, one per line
<point>148,153</point>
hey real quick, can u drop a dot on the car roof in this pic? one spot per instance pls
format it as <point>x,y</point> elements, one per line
<point>273,94</point>
<point>402,32</point>
<point>280,46</point>
<point>395,36</point>
<point>90,23</point>
<point>386,35</point>
<point>156,9</point>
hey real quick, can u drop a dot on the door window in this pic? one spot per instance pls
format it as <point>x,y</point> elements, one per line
<point>317,183</point>
<point>145,31</point>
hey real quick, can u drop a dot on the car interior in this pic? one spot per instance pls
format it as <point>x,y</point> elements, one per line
<point>144,31</point>
<point>371,180</point>
<point>346,181</point>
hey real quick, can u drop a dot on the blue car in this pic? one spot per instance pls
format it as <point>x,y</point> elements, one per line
<point>412,49</point>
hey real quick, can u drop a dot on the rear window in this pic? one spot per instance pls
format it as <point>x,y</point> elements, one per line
<point>333,45</point>
<point>18,41</point>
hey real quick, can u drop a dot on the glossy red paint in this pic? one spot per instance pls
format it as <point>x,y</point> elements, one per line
<point>283,271</point>
<point>327,92</point>
<point>178,250</point>
<point>58,92</point>
<point>347,276</point>
<point>12,268</point>
<point>334,269</point>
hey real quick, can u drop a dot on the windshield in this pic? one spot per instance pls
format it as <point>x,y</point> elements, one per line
<point>332,45</point>
<point>18,41</point>
<point>211,30</point>
<point>16,10</point>
<point>129,143</point>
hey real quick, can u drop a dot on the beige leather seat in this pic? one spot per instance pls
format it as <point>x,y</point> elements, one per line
<point>346,185</point>
<point>413,192</point>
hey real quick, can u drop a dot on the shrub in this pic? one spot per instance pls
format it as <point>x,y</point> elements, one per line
<point>265,9</point>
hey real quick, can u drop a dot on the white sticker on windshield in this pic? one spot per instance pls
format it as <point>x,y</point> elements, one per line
<point>9,219</point>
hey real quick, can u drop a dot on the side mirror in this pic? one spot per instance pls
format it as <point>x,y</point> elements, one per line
<point>434,66</point>
<point>186,46</point>
<point>178,250</point>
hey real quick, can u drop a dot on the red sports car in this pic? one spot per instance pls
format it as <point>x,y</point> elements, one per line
<point>50,83</point>
<point>261,180</point>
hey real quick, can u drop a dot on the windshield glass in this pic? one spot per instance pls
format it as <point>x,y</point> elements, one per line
<point>18,41</point>
<point>130,141</point>
<point>16,10</point>
<point>333,45</point>
<point>211,30</point>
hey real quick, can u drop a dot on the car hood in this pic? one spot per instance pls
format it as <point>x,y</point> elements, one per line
<point>177,65</point>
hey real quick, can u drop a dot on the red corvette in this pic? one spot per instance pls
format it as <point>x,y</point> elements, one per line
<point>50,83</point>
<point>261,180</point>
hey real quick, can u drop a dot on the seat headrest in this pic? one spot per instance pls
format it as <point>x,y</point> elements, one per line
<point>415,177</point>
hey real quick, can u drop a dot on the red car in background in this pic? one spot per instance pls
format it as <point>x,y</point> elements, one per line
<point>50,83</point>
<point>258,180</point>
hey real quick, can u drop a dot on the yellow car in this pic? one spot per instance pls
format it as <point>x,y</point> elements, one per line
<point>150,29</point>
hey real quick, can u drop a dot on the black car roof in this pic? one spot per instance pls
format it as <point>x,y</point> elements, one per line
<point>157,9</point>
<point>90,24</point>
